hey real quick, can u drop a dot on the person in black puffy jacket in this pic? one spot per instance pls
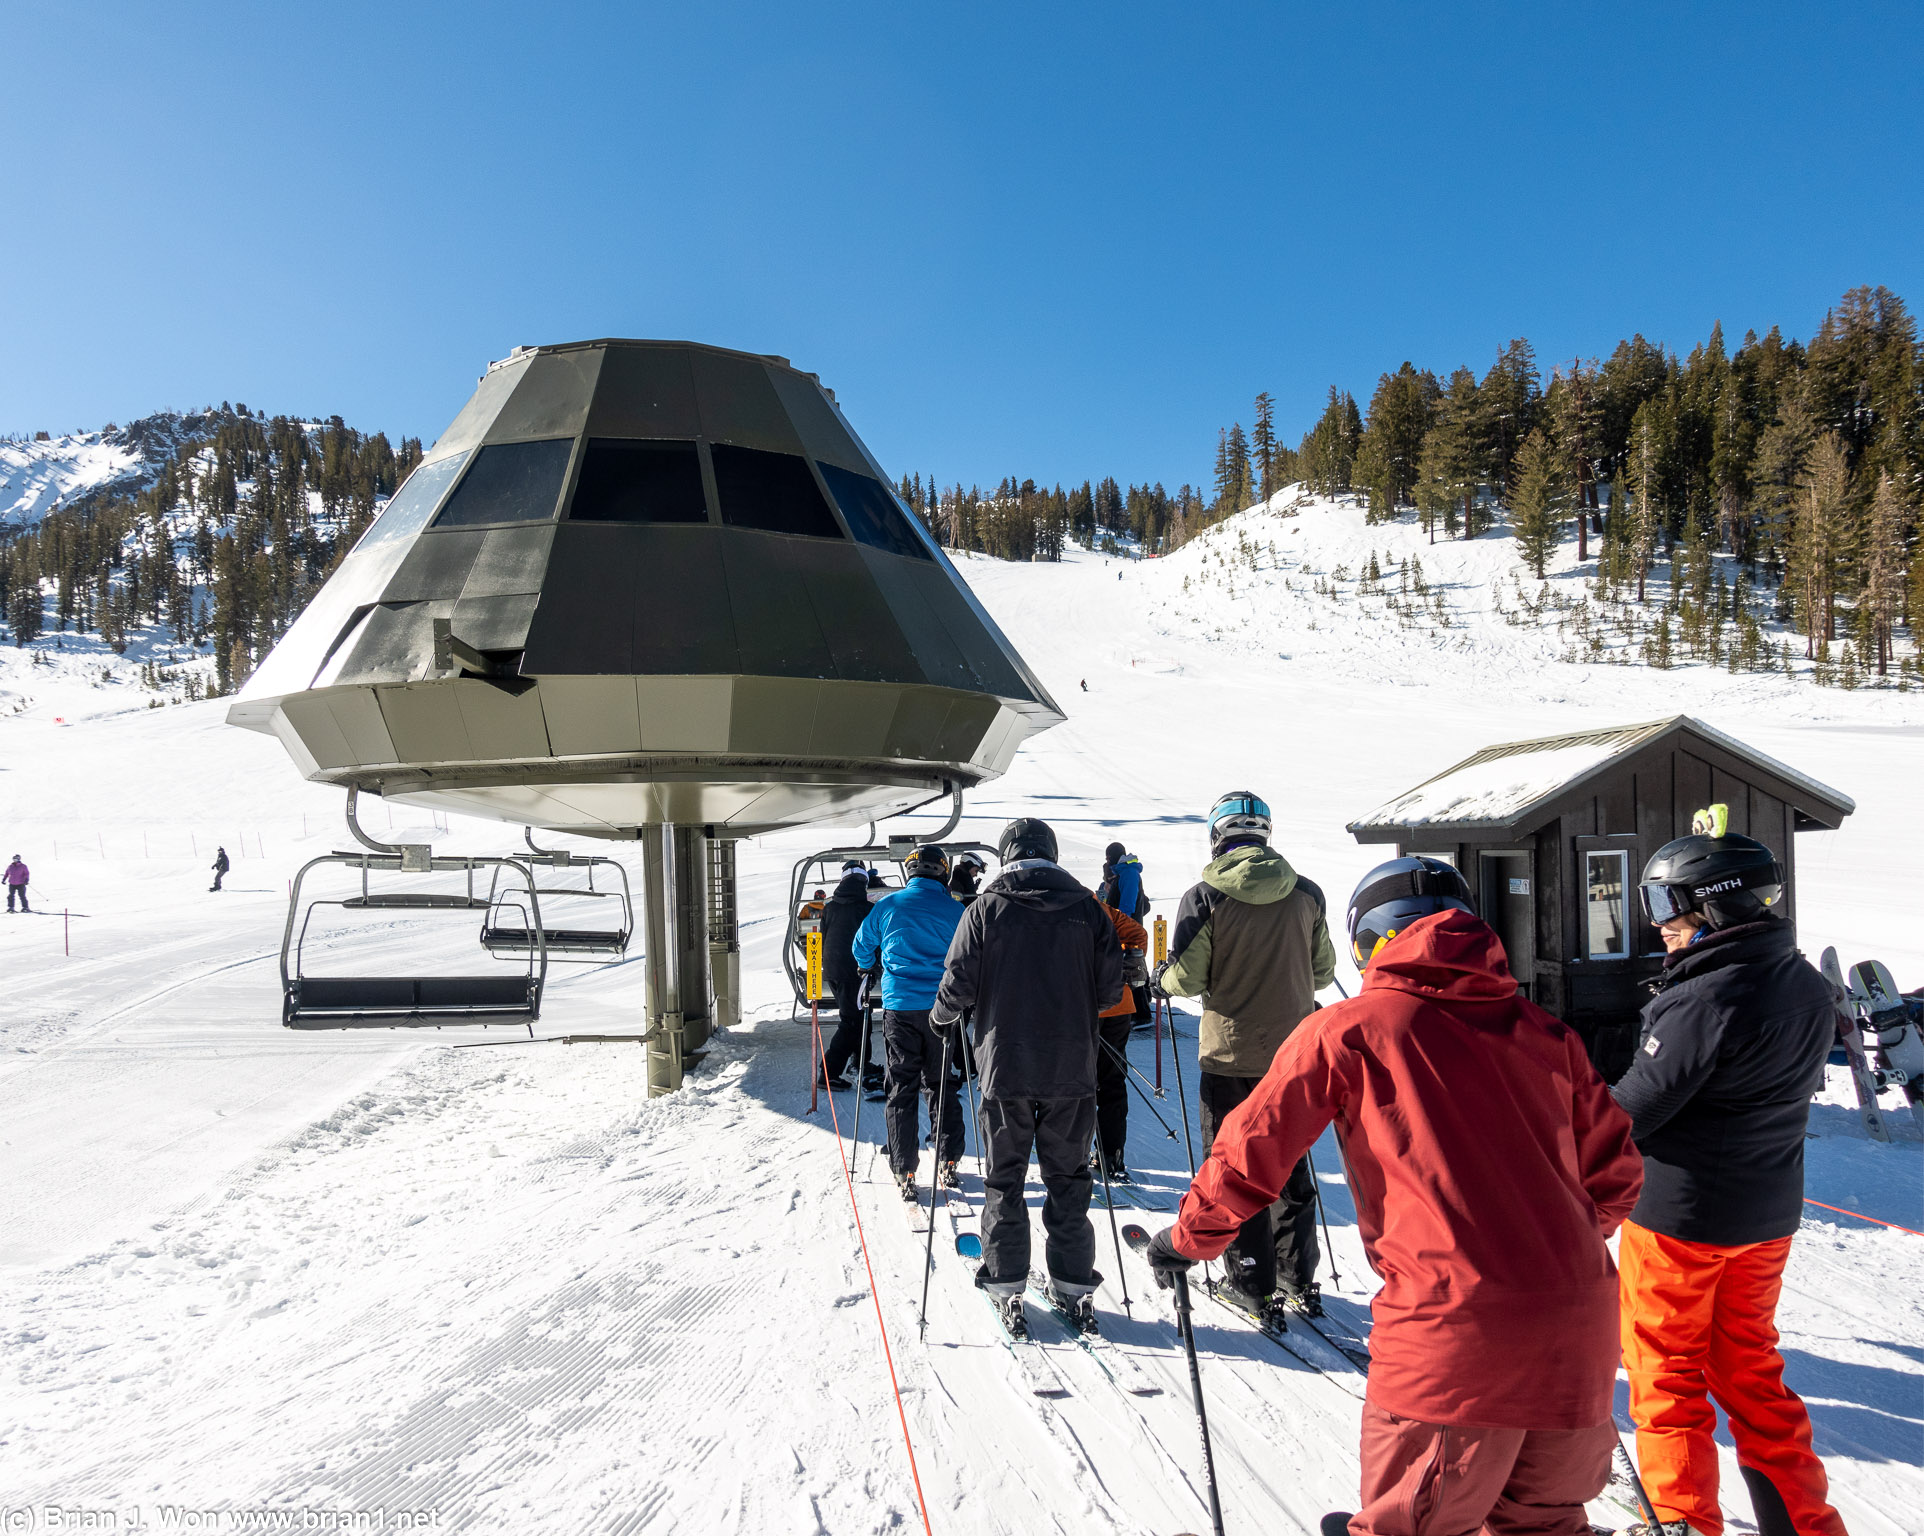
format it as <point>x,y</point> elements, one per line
<point>1732,1048</point>
<point>845,912</point>
<point>1037,959</point>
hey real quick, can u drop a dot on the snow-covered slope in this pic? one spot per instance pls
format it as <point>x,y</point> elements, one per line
<point>42,475</point>
<point>252,1269</point>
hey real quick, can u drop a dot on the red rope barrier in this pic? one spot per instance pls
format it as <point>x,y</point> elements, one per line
<point>876,1296</point>
<point>1859,1217</point>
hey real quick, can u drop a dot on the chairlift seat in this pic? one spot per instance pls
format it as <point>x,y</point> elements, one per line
<point>347,1002</point>
<point>574,941</point>
<point>438,901</point>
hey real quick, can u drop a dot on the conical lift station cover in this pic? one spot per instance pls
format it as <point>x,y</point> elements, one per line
<point>647,582</point>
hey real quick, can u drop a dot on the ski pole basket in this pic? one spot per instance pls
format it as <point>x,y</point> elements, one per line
<point>508,933</point>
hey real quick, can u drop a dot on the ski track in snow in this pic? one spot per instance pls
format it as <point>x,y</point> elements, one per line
<point>362,1270</point>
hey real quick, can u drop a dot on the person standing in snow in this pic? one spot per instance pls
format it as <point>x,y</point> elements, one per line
<point>1490,1166</point>
<point>17,878</point>
<point>1037,960</point>
<point>1733,1047</point>
<point>906,936</point>
<point>1115,1025</point>
<point>220,867</point>
<point>842,915</point>
<point>1122,888</point>
<point>1252,941</point>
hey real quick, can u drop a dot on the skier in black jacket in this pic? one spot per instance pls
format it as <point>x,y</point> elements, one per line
<point>1733,1046</point>
<point>1038,960</point>
<point>843,913</point>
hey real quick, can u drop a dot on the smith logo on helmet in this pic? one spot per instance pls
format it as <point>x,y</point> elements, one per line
<point>1735,882</point>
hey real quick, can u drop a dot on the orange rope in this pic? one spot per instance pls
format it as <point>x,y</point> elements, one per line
<point>876,1296</point>
<point>1856,1215</point>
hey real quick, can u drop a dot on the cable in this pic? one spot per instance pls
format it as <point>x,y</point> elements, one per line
<point>1856,1216</point>
<point>888,1354</point>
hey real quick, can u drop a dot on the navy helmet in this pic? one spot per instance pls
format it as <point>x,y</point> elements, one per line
<point>1394,895</point>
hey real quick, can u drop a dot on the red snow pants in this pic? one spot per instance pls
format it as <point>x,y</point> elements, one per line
<point>1700,1321</point>
<point>1450,1480</point>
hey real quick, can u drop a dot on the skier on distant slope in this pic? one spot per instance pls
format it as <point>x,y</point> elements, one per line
<point>1037,959</point>
<point>220,868</point>
<point>1251,938</point>
<point>906,935</point>
<point>1733,1046</point>
<point>842,915</point>
<point>17,877</point>
<point>1489,1165</point>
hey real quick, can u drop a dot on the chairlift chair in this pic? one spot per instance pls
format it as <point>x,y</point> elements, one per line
<point>509,940</point>
<point>372,1002</point>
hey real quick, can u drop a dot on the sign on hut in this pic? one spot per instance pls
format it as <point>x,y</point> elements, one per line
<point>1553,834</point>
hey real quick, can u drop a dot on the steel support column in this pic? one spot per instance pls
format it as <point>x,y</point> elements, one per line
<point>724,934</point>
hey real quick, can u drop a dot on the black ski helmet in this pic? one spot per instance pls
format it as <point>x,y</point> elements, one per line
<point>1394,895</point>
<point>1725,878</point>
<point>1026,838</point>
<point>928,862</point>
<point>1237,816</point>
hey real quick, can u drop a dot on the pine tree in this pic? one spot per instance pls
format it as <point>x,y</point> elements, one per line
<point>1536,500</point>
<point>1818,542</point>
<point>1262,445</point>
<point>1884,568</point>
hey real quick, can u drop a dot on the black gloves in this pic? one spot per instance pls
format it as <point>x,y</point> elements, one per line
<point>1155,979</point>
<point>942,1017</point>
<point>1165,1260</point>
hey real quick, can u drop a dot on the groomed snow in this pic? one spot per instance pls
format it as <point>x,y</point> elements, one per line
<point>253,1270</point>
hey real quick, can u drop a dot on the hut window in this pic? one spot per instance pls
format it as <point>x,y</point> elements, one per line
<point>1606,907</point>
<point>510,483</point>
<point>638,480</point>
<point>773,491</point>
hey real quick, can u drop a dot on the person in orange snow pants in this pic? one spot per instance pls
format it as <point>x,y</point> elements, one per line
<point>1732,1047</point>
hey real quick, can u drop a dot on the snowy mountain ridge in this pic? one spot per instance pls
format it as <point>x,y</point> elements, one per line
<point>40,475</point>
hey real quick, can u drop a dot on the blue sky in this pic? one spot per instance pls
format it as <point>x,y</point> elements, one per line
<point>1032,239</point>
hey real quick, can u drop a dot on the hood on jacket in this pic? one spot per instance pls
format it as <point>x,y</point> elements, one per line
<point>1253,873</point>
<point>852,887</point>
<point>1447,955</point>
<point>1039,884</point>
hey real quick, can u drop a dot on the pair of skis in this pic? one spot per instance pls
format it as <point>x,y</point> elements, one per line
<point>1869,1004</point>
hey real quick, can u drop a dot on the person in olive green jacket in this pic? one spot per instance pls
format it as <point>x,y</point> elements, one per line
<point>1252,942</point>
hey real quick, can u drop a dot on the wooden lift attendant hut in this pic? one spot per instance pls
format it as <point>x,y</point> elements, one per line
<point>1552,835</point>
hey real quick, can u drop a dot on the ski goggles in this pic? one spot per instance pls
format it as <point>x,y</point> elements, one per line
<point>1663,902</point>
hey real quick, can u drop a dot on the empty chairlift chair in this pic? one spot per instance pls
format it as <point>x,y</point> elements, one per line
<point>512,929</point>
<point>367,1002</point>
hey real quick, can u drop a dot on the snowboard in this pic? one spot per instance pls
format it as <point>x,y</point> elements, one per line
<point>1895,1044</point>
<point>1852,1034</point>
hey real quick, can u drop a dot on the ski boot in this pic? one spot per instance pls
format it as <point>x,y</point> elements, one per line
<point>1267,1310</point>
<point>835,1084</point>
<point>905,1182</point>
<point>951,1174</point>
<point>1078,1311</point>
<point>1119,1173</point>
<point>1664,1528</point>
<point>1306,1299</point>
<point>873,1081</point>
<point>1013,1317</point>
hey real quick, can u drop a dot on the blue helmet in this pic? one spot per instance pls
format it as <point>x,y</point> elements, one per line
<point>1394,895</point>
<point>1237,816</point>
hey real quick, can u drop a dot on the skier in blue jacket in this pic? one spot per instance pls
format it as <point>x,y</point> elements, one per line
<point>907,935</point>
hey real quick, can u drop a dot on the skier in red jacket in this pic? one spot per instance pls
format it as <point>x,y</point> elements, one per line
<point>1489,1166</point>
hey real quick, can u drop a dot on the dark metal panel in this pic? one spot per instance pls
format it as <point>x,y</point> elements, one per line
<point>394,645</point>
<point>820,427</point>
<point>777,628</point>
<point>498,623</point>
<point>585,620</point>
<point>645,392</point>
<point>863,638</point>
<point>919,720</point>
<point>985,658</point>
<point>968,721</point>
<point>471,425</point>
<point>686,607</point>
<point>938,658</point>
<point>434,568</point>
<point>552,398</point>
<point>771,716</point>
<point>739,405</point>
<point>511,560</point>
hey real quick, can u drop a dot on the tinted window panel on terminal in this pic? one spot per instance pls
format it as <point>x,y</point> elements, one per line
<point>639,480</point>
<point>872,514</point>
<point>772,491</point>
<point>409,507</point>
<point>510,483</point>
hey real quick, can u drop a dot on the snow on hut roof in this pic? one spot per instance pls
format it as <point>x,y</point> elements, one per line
<point>1500,785</point>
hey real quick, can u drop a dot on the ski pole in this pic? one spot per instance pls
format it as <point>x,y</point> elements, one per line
<point>941,1103</point>
<point>975,1113</point>
<point>1109,1199</point>
<point>1328,1247</point>
<point>861,1072</point>
<point>1650,1519</point>
<point>1147,1101</point>
<point>1138,1239</point>
<point>1182,1097</point>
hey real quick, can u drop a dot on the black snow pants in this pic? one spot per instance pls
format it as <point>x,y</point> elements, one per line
<point>844,1045</point>
<point>1278,1244</point>
<point>915,1066</point>
<point>1112,1090</point>
<point>1059,1131</point>
<point>21,892</point>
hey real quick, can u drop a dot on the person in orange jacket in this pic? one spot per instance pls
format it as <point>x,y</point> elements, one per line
<point>1732,1047</point>
<point>1489,1166</point>
<point>1112,1057</point>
